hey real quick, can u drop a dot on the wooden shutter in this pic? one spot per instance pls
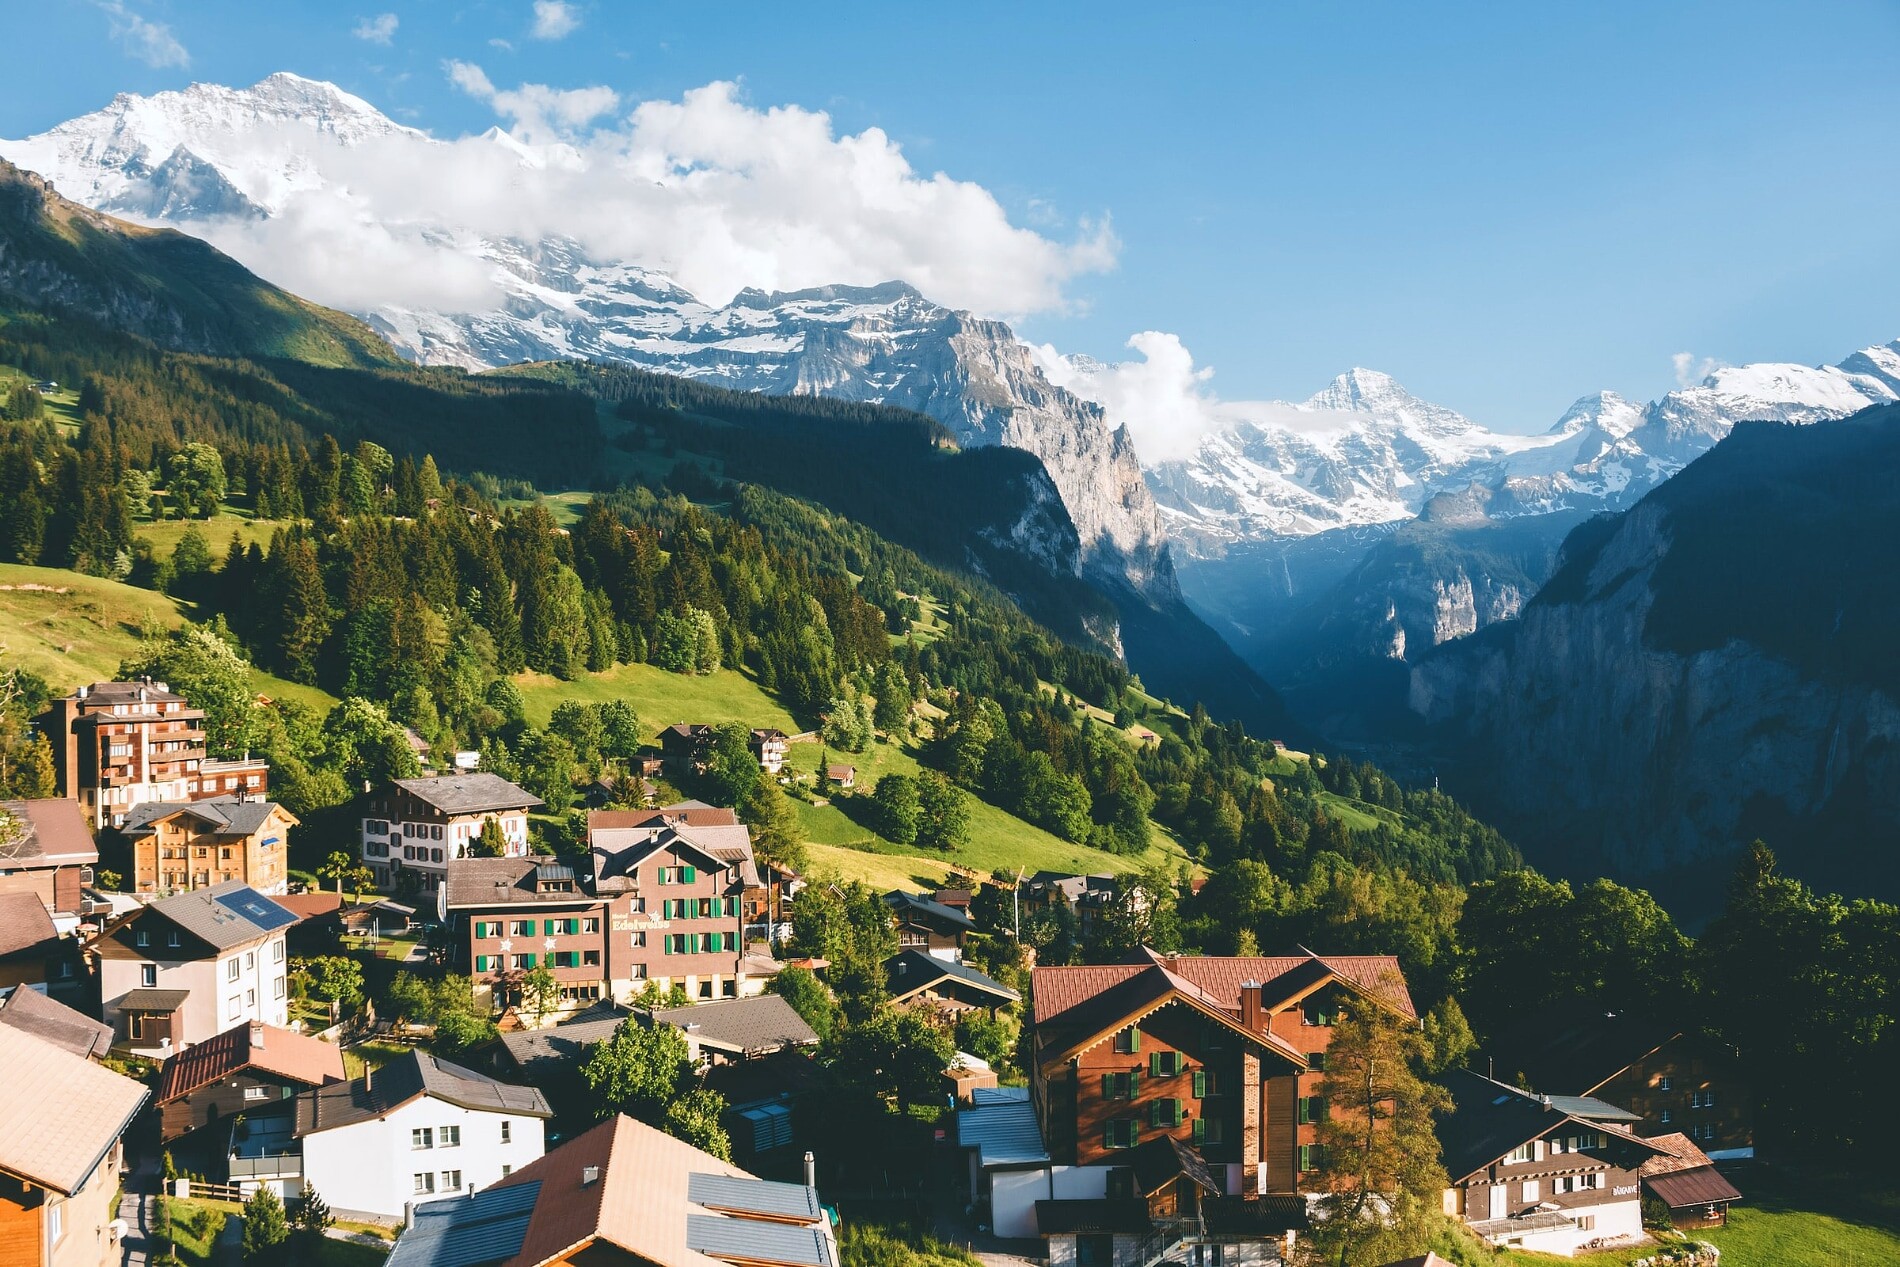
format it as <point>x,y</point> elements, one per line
<point>1200,1084</point>
<point>1154,1064</point>
<point>1134,1038</point>
<point>1200,1129</point>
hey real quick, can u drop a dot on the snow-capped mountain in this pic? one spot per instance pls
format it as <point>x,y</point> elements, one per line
<point>1365,451</point>
<point>208,158</point>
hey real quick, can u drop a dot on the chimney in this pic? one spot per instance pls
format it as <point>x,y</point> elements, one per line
<point>811,1170</point>
<point>590,1175</point>
<point>408,1215</point>
<point>1250,1013</point>
<point>369,1076</point>
<point>257,1034</point>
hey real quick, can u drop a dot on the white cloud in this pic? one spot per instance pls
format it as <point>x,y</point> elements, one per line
<point>380,29</point>
<point>716,193</point>
<point>538,111</point>
<point>555,19</point>
<point>1691,370</point>
<point>1163,399</point>
<point>151,42</point>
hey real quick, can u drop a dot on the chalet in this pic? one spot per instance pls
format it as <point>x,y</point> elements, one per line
<point>769,746</point>
<point>188,967</point>
<point>730,1030</point>
<point>410,1129</point>
<point>549,1059</point>
<point>684,748</point>
<point>248,1069</point>
<point>182,845</point>
<point>27,1010</point>
<point>418,826</point>
<point>624,1192</point>
<point>929,926</point>
<point>245,776</point>
<point>32,953</point>
<point>1675,1080</point>
<point>1683,1178</point>
<point>63,1119</point>
<point>1547,1173</point>
<point>1087,896</point>
<point>947,985</point>
<point>845,776</point>
<point>51,855</point>
<point>1184,1086</point>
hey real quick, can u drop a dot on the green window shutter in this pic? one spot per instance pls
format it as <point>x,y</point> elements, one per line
<point>481,929</point>
<point>1200,1084</point>
<point>481,963</point>
<point>1134,1131</point>
<point>1305,1112</point>
<point>1108,1086</point>
<point>1134,1083</point>
<point>1154,1064</point>
<point>688,875</point>
<point>527,961</point>
<point>1134,1038</point>
<point>1108,1134</point>
<point>1200,1129</point>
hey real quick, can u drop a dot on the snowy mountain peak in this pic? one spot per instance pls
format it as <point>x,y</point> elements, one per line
<point>1604,411</point>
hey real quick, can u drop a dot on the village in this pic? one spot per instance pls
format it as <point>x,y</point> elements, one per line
<point>463,1051</point>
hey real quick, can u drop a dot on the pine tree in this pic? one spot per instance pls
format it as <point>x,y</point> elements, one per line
<point>265,1227</point>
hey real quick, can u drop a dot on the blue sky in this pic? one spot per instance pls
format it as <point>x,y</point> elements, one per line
<point>1505,206</point>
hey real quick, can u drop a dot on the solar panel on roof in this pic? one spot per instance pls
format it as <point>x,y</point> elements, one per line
<point>257,908</point>
<point>468,1232</point>
<point>752,1196</point>
<point>753,1241</point>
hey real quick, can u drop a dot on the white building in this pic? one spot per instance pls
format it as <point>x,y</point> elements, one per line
<point>421,825</point>
<point>416,1129</point>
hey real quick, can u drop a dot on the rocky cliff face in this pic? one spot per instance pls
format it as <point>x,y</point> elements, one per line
<point>1647,714</point>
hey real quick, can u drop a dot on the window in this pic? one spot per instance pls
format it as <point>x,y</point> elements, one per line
<point>1664,1083</point>
<point>254,1093</point>
<point>639,941</point>
<point>1121,1132</point>
<point>1316,1060</point>
<point>1666,1116</point>
<point>1523,1152</point>
<point>483,962</point>
<point>1312,1108</point>
<point>1166,1112</point>
<point>1702,1099</point>
<point>422,1137</point>
<point>449,1137</point>
<point>234,1009</point>
<point>1208,1130</point>
<point>1315,1012</point>
<point>171,938</point>
<point>523,961</point>
<point>451,1181</point>
<point>277,988</point>
<point>1128,1040</point>
<point>1702,1131</point>
<point>1533,1193</point>
<point>141,938</point>
<point>435,832</point>
<point>424,1182</point>
<point>1120,1086</point>
<point>1095,1249</point>
<point>250,998</point>
<point>1165,1064</point>
<point>1586,1222</point>
<point>507,1131</point>
<point>1310,1156</point>
<point>590,958</point>
<point>231,969</point>
<point>522,928</point>
<point>506,1170</point>
<point>277,952</point>
<point>590,925</point>
<point>148,975</point>
<point>56,1221</point>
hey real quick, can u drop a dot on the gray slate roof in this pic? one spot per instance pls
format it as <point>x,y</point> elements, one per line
<point>929,910</point>
<point>410,1075</point>
<point>749,1026</point>
<point>1490,1118</point>
<point>227,815</point>
<point>477,792</point>
<point>908,971</point>
<point>537,1050</point>
<point>202,915</point>
<point>480,882</point>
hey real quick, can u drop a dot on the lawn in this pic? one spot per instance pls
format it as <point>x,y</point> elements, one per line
<point>373,1055</point>
<point>164,534</point>
<point>73,629</point>
<point>661,698</point>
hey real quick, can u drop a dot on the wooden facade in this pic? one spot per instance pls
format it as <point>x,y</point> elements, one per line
<point>1690,1085</point>
<point>188,848</point>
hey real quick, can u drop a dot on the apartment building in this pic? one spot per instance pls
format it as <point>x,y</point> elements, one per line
<point>419,826</point>
<point>182,845</point>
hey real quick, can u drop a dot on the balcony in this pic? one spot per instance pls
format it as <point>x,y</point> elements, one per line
<point>263,1148</point>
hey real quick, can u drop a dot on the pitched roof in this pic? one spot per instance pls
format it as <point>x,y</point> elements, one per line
<point>481,882</point>
<point>656,1198</point>
<point>1702,1185</point>
<point>24,923</point>
<point>284,1053</point>
<point>408,1077</point>
<point>928,909</point>
<point>1679,1152</point>
<point>59,1113</point>
<point>475,792</point>
<point>53,833</point>
<point>103,694</point>
<point>910,971</point>
<point>692,813</point>
<point>750,1026</point>
<point>1490,1118</point>
<point>1003,1133</point>
<point>31,1012</point>
<point>225,915</point>
<point>1575,1047</point>
<point>1220,977</point>
<point>534,1050</point>
<point>617,850</point>
<point>308,906</point>
<point>221,815</point>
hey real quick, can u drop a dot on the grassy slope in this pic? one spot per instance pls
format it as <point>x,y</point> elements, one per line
<point>164,534</point>
<point>998,840</point>
<point>73,629</point>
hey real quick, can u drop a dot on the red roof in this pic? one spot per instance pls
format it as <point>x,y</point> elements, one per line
<point>284,1053</point>
<point>690,815</point>
<point>310,905</point>
<point>1219,977</point>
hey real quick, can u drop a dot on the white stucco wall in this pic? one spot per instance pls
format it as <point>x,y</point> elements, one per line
<point>370,1166</point>
<point>1014,1193</point>
<point>1613,1219</point>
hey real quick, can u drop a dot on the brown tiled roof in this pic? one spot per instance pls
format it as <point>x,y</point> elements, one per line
<point>691,814</point>
<point>1220,977</point>
<point>285,1053</point>
<point>31,1012</point>
<point>59,1113</point>
<point>1679,1152</point>
<point>1703,1185</point>
<point>310,905</point>
<point>55,834</point>
<point>24,923</point>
